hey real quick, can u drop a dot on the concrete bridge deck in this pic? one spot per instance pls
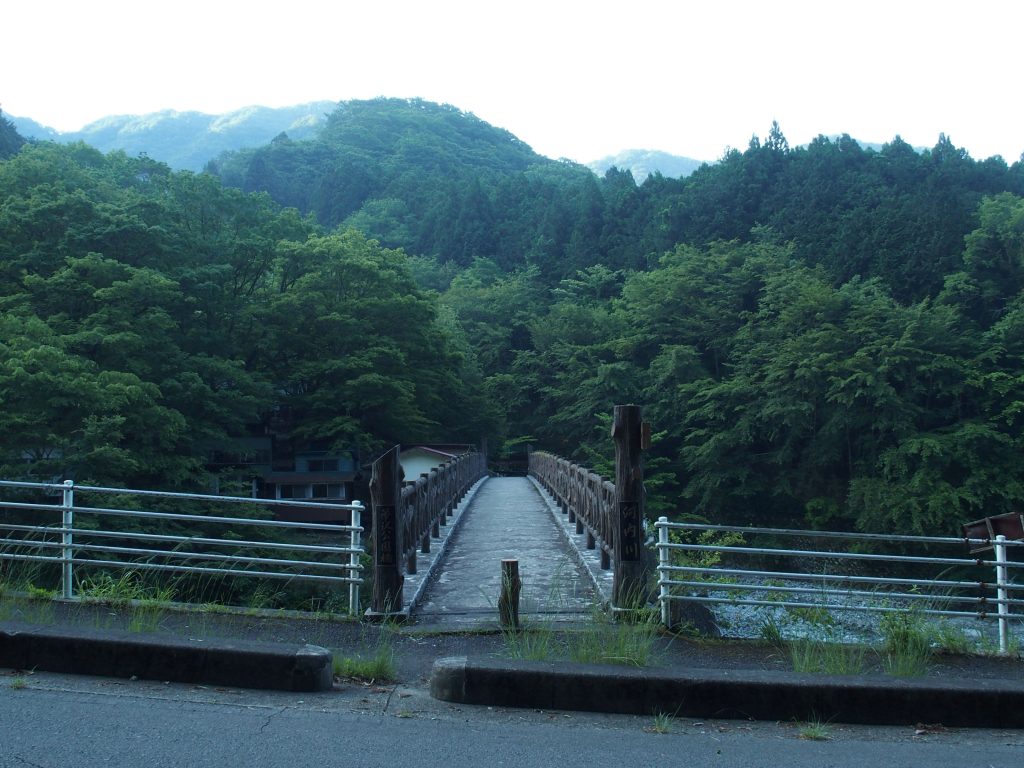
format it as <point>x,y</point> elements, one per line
<point>507,519</point>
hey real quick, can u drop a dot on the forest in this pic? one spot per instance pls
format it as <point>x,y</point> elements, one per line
<point>823,335</point>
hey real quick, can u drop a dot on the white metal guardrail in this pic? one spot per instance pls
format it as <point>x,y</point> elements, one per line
<point>76,536</point>
<point>949,585</point>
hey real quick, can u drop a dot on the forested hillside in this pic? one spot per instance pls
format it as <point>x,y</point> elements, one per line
<point>826,335</point>
<point>150,318</point>
<point>187,140</point>
<point>10,141</point>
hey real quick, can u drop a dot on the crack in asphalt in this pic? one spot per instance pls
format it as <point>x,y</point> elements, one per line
<point>387,701</point>
<point>271,716</point>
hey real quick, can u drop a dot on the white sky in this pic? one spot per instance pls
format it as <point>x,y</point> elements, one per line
<point>571,79</point>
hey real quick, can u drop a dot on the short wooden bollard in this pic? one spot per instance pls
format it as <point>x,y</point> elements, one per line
<point>508,600</point>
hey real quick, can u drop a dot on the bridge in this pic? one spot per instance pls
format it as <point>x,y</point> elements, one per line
<point>456,546</point>
<point>450,546</point>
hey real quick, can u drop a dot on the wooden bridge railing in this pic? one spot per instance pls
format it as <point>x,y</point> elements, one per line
<point>611,514</point>
<point>407,514</point>
<point>586,497</point>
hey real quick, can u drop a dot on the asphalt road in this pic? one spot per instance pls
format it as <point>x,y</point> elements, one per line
<point>58,720</point>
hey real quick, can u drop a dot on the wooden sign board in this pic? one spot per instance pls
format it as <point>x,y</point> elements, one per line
<point>1010,525</point>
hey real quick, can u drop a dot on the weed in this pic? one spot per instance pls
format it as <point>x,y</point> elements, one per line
<point>813,730</point>
<point>19,683</point>
<point>39,593</point>
<point>814,615</point>
<point>38,611</point>
<point>826,657</point>
<point>771,632</point>
<point>538,644</point>
<point>379,667</point>
<point>263,597</point>
<point>662,723</point>
<point>145,617</point>
<point>907,644</point>
<point>952,638</point>
<point>121,591</point>
<point>608,641</point>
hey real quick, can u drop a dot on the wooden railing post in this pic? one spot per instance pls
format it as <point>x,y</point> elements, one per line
<point>508,599</point>
<point>385,495</point>
<point>429,497</point>
<point>629,582</point>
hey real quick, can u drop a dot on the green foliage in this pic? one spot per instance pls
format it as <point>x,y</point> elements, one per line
<point>907,643</point>
<point>616,640</point>
<point>818,656</point>
<point>824,334</point>
<point>379,667</point>
<point>814,731</point>
<point>151,318</point>
<point>10,140</point>
<point>662,723</point>
<point>770,632</point>
<point>531,643</point>
<point>952,638</point>
<point>815,615</point>
<point>122,590</point>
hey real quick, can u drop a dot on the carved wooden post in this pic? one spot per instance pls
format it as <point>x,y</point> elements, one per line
<point>508,600</point>
<point>449,491</point>
<point>439,513</point>
<point>426,497</point>
<point>629,583</point>
<point>386,495</point>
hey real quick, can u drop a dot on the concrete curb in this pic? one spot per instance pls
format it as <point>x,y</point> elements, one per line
<point>746,694</point>
<point>239,664</point>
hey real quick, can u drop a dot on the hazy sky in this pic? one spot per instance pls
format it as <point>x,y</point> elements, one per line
<point>572,79</point>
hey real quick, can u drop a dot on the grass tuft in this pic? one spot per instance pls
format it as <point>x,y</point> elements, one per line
<point>953,639</point>
<point>907,644</point>
<point>826,657</point>
<point>662,723</point>
<point>813,731</point>
<point>380,667</point>
<point>531,644</point>
<point>626,639</point>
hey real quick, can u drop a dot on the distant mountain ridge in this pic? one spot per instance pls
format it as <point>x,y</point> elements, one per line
<point>643,162</point>
<point>188,140</point>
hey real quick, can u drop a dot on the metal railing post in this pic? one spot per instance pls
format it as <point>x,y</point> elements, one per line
<point>67,552</point>
<point>1001,594</point>
<point>663,573</point>
<point>354,543</point>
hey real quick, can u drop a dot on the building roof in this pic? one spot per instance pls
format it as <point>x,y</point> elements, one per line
<point>308,477</point>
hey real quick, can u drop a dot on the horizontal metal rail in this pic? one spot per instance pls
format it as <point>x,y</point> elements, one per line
<point>711,586</point>
<point>217,557</point>
<point>179,495</point>
<point>863,608</point>
<point>116,512</point>
<point>883,537</point>
<point>842,578</point>
<point>220,571</point>
<point>64,544</point>
<point>836,555</point>
<point>936,596</point>
<point>175,539</point>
